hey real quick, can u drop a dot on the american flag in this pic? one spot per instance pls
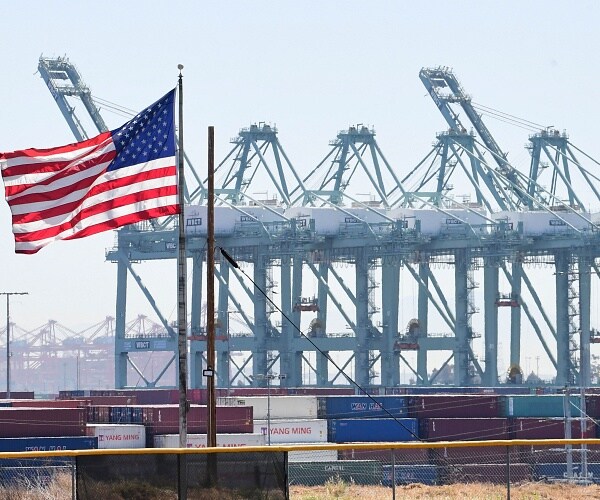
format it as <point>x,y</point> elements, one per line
<point>120,177</point>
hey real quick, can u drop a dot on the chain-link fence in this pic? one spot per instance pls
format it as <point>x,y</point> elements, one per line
<point>493,469</point>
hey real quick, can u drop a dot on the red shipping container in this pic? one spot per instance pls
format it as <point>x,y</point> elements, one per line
<point>320,391</point>
<point>548,428</point>
<point>556,454</point>
<point>49,403</point>
<point>112,400</point>
<point>592,405</point>
<point>198,396</point>
<point>454,406</point>
<point>42,422</point>
<point>155,396</point>
<point>464,429</point>
<point>407,456</point>
<point>164,419</point>
<point>18,395</point>
<point>255,391</point>
<point>474,455</point>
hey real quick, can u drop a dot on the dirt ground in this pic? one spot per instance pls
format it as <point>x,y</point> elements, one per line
<point>335,490</point>
<point>529,491</point>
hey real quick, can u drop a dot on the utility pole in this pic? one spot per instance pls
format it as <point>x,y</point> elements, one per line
<point>8,294</point>
<point>209,372</point>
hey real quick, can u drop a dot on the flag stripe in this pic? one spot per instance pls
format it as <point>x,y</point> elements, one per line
<point>105,208</point>
<point>39,223</point>
<point>41,155</point>
<point>161,208</point>
<point>67,199</point>
<point>41,182</point>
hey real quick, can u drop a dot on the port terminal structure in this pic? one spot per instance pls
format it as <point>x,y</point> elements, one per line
<point>508,222</point>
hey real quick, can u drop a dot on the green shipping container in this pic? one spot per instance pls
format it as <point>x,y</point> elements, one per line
<point>538,406</point>
<point>367,472</point>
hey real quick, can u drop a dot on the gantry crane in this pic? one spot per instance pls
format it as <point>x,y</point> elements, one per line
<point>320,224</point>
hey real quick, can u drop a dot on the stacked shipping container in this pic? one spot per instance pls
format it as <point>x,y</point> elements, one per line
<point>135,418</point>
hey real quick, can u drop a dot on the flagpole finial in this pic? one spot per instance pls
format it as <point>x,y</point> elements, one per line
<point>180,67</point>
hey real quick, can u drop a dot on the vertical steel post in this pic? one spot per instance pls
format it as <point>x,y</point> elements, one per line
<point>490,292</point>
<point>7,346</point>
<point>393,474</point>
<point>423,312</point>
<point>269,409</point>
<point>563,353</point>
<point>462,333</point>
<point>585,288</point>
<point>508,473</point>
<point>121,314</point>
<point>583,414</point>
<point>211,437</point>
<point>8,294</point>
<point>569,448</point>
<point>74,479</point>
<point>181,308</point>
<point>515,314</point>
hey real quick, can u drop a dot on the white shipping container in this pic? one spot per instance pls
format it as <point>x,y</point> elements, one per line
<point>542,222</point>
<point>328,220</point>
<point>114,436</point>
<point>476,218</point>
<point>277,406</point>
<point>250,214</point>
<point>299,431</point>
<point>361,215</point>
<point>195,217</point>
<point>310,455</point>
<point>433,222</point>
<point>199,440</point>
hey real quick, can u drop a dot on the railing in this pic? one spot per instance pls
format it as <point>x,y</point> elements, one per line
<point>556,468</point>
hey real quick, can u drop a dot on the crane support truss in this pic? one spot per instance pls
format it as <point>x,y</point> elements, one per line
<point>315,230</point>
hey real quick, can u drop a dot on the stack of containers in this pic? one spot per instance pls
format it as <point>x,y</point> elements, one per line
<point>164,419</point>
<point>288,420</point>
<point>461,417</point>
<point>543,417</point>
<point>367,418</point>
<point>353,419</point>
<point>40,429</point>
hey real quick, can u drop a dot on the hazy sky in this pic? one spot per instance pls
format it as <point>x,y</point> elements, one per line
<point>312,68</point>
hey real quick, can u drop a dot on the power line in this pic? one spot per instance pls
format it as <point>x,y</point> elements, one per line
<point>508,116</point>
<point>235,265</point>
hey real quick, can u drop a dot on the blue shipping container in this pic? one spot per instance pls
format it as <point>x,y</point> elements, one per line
<point>355,430</point>
<point>48,443</point>
<point>408,474</point>
<point>559,471</point>
<point>125,415</point>
<point>119,415</point>
<point>363,407</point>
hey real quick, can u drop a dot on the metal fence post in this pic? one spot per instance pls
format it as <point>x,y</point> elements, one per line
<point>393,475</point>
<point>508,472</point>
<point>74,479</point>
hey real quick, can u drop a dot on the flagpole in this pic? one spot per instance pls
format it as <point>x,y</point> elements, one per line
<point>181,305</point>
